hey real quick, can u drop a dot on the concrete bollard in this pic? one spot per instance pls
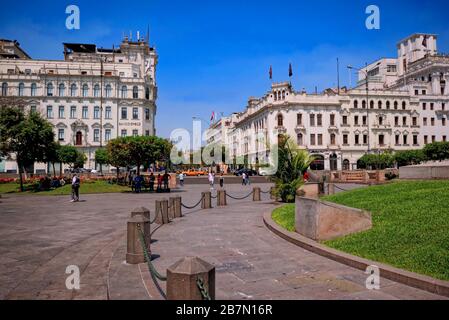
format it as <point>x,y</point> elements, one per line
<point>331,189</point>
<point>162,211</point>
<point>171,208</point>
<point>221,198</point>
<point>256,194</point>
<point>185,277</point>
<point>206,203</point>
<point>137,222</point>
<point>177,208</point>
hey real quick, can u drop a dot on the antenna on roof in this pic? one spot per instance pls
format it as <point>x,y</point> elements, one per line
<point>148,34</point>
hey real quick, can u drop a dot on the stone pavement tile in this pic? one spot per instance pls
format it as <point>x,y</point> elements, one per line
<point>368,295</point>
<point>404,292</point>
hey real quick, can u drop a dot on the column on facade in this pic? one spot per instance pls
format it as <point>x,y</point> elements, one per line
<point>436,83</point>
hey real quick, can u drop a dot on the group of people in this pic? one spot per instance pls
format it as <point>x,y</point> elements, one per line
<point>161,181</point>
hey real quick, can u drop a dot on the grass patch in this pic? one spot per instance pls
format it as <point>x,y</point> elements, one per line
<point>285,216</point>
<point>410,226</point>
<point>86,188</point>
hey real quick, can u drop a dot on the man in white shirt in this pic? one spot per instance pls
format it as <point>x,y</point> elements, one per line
<point>75,188</point>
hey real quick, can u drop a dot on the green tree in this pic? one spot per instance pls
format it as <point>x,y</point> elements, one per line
<point>69,155</point>
<point>26,136</point>
<point>409,157</point>
<point>437,151</point>
<point>376,161</point>
<point>51,155</point>
<point>101,157</point>
<point>292,164</point>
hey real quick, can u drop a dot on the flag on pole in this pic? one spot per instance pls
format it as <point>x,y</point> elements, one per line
<point>212,117</point>
<point>290,70</point>
<point>271,73</point>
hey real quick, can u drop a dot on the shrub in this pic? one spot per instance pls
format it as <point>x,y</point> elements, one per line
<point>409,157</point>
<point>437,151</point>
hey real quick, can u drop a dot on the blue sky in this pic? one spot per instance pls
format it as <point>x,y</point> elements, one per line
<point>216,54</point>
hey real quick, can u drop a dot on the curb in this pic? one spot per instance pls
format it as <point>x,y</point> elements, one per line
<point>408,278</point>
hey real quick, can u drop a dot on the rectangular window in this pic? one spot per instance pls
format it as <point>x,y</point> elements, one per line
<point>444,139</point>
<point>61,112</point>
<point>299,119</point>
<point>432,106</point>
<point>124,113</point>
<point>312,120</point>
<point>135,113</point>
<point>364,120</point>
<point>147,132</point>
<point>405,137</point>
<point>415,121</point>
<point>96,112</point>
<point>397,139</point>
<point>404,121</point>
<point>415,140</point>
<point>49,112</point>
<point>124,133</point>
<point>424,121</point>
<point>356,120</point>
<point>96,135</point>
<point>443,121</point>
<point>443,106</point>
<point>424,106</point>
<point>107,135</point>
<point>85,112</point>
<point>357,139</point>
<point>108,113</point>
<point>345,120</point>
<point>332,120</point>
<point>72,112</point>
<point>381,140</point>
<point>396,121</point>
<point>345,139</point>
<point>33,109</point>
<point>60,134</point>
<point>426,140</point>
<point>320,139</point>
<point>434,139</point>
<point>432,122</point>
<point>365,139</point>
<point>135,133</point>
<point>312,139</point>
<point>147,114</point>
<point>319,120</point>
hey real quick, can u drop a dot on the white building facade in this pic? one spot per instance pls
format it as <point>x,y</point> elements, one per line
<point>92,96</point>
<point>405,107</point>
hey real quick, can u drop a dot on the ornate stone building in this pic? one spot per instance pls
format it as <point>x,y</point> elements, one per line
<point>90,97</point>
<point>405,107</point>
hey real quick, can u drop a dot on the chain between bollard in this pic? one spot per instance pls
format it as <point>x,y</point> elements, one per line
<point>193,207</point>
<point>341,189</point>
<point>151,268</point>
<point>203,290</point>
<point>265,192</point>
<point>235,198</point>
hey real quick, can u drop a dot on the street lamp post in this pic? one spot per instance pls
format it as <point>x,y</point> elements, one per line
<point>367,102</point>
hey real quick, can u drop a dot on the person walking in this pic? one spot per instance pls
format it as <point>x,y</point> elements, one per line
<point>221,180</point>
<point>76,182</point>
<point>243,179</point>
<point>152,178</point>
<point>159,182</point>
<point>181,179</point>
<point>166,177</point>
<point>211,180</point>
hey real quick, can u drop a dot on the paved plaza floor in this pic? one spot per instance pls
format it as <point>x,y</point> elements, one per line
<point>41,235</point>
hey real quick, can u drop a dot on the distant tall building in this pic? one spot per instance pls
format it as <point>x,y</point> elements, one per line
<point>92,96</point>
<point>407,107</point>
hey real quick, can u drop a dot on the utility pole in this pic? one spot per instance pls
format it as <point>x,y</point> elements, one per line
<point>101,109</point>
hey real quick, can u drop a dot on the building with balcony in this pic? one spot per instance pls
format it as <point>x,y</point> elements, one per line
<point>406,107</point>
<point>91,96</point>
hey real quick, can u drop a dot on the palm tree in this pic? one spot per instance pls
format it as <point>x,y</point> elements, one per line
<point>293,162</point>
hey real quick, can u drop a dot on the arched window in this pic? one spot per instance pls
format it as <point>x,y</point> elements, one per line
<point>364,104</point>
<point>300,139</point>
<point>50,89</point>
<point>318,163</point>
<point>280,120</point>
<point>356,104</point>
<point>395,105</point>
<point>21,89</point>
<point>388,105</point>
<point>33,89</point>
<point>124,92</point>
<point>79,139</point>
<point>97,90</point>
<point>283,94</point>
<point>108,91</point>
<point>333,161</point>
<point>379,104</point>
<point>135,92</point>
<point>61,90</point>
<point>85,90</point>
<point>371,104</point>
<point>4,89</point>
<point>404,105</point>
<point>73,90</point>
<point>333,139</point>
<point>275,96</point>
<point>346,164</point>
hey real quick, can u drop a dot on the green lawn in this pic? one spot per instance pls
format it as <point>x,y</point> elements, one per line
<point>285,216</point>
<point>86,188</point>
<point>410,225</point>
